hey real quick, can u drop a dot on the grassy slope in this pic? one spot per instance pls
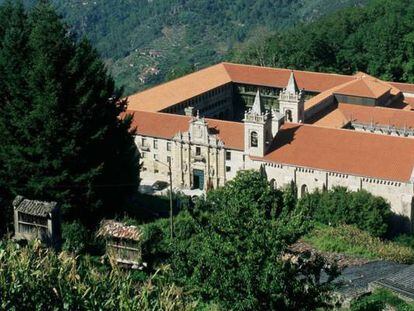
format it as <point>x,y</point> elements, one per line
<point>352,241</point>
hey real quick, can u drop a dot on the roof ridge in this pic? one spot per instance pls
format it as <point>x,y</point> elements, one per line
<point>353,132</point>
<point>179,78</point>
<point>287,69</point>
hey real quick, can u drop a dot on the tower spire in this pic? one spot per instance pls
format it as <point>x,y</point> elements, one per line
<point>257,105</point>
<point>292,87</point>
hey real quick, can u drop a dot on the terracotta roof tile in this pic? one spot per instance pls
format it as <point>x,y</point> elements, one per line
<point>163,125</point>
<point>378,115</point>
<point>341,114</point>
<point>179,90</point>
<point>276,77</point>
<point>410,103</point>
<point>364,87</point>
<point>344,151</point>
<point>189,86</point>
<point>404,87</point>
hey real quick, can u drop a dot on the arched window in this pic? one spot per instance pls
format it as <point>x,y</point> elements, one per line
<point>303,190</point>
<point>288,115</point>
<point>253,139</point>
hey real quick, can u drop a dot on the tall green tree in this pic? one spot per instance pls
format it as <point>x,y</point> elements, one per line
<point>62,137</point>
<point>232,249</point>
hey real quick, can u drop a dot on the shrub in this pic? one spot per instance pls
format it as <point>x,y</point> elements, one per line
<point>353,241</point>
<point>229,249</point>
<point>340,206</point>
<point>75,237</point>
<point>379,300</point>
<point>33,278</point>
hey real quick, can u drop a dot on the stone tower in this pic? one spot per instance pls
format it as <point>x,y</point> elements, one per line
<point>292,102</point>
<point>257,129</point>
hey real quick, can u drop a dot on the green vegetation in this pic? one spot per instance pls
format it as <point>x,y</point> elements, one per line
<point>60,135</point>
<point>352,241</point>
<point>137,38</point>
<point>341,206</point>
<point>379,300</point>
<point>33,278</point>
<point>377,39</point>
<point>230,249</point>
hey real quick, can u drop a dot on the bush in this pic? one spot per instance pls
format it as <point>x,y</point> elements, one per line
<point>353,241</point>
<point>405,240</point>
<point>33,278</point>
<point>75,237</point>
<point>379,300</point>
<point>340,206</point>
<point>230,249</point>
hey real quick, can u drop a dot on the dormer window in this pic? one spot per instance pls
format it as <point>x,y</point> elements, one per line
<point>253,139</point>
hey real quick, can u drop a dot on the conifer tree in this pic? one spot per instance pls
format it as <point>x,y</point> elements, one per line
<point>62,137</point>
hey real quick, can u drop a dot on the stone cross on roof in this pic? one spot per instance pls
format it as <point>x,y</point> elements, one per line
<point>257,105</point>
<point>292,87</point>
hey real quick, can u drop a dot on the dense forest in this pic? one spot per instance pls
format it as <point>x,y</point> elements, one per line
<point>146,42</point>
<point>377,39</point>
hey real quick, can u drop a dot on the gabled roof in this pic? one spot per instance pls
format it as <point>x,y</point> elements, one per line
<point>33,207</point>
<point>163,125</point>
<point>364,87</point>
<point>378,115</point>
<point>199,82</point>
<point>179,90</point>
<point>343,151</point>
<point>341,114</point>
<point>115,229</point>
<point>279,78</point>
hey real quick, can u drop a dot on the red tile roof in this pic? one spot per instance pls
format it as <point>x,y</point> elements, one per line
<point>197,83</point>
<point>278,78</point>
<point>404,87</point>
<point>179,90</point>
<point>344,151</point>
<point>189,86</point>
<point>337,150</point>
<point>344,113</point>
<point>378,115</point>
<point>164,125</point>
<point>364,87</point>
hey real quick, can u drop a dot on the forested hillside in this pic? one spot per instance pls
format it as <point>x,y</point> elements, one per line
<point>145,42</point>
<point>377,39</point>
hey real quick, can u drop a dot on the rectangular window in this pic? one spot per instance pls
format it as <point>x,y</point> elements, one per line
<point>168,159</point>
<point>228,169</point>
<point>156,157</point>
<point>143,141</point>
<point>198,151</point>
<point>168,146</point>
<point>143,155</point>
<point>155,144</point>
<point>228,155</point>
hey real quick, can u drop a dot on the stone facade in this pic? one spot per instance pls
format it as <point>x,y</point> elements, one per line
<point>201,160</point>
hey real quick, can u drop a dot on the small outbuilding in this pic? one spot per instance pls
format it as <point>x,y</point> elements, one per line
<point>37,220</point>
<point>123,243</point>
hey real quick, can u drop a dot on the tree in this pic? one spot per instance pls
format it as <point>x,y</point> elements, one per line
<point>340,206</point>
<point>232,250</point>
<point>61,135</point>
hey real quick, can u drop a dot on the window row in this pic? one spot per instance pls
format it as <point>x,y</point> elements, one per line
<point>154,144</point>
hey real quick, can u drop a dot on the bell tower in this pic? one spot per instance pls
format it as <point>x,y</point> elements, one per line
<point>257,129</point>
<point>292,102</point>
